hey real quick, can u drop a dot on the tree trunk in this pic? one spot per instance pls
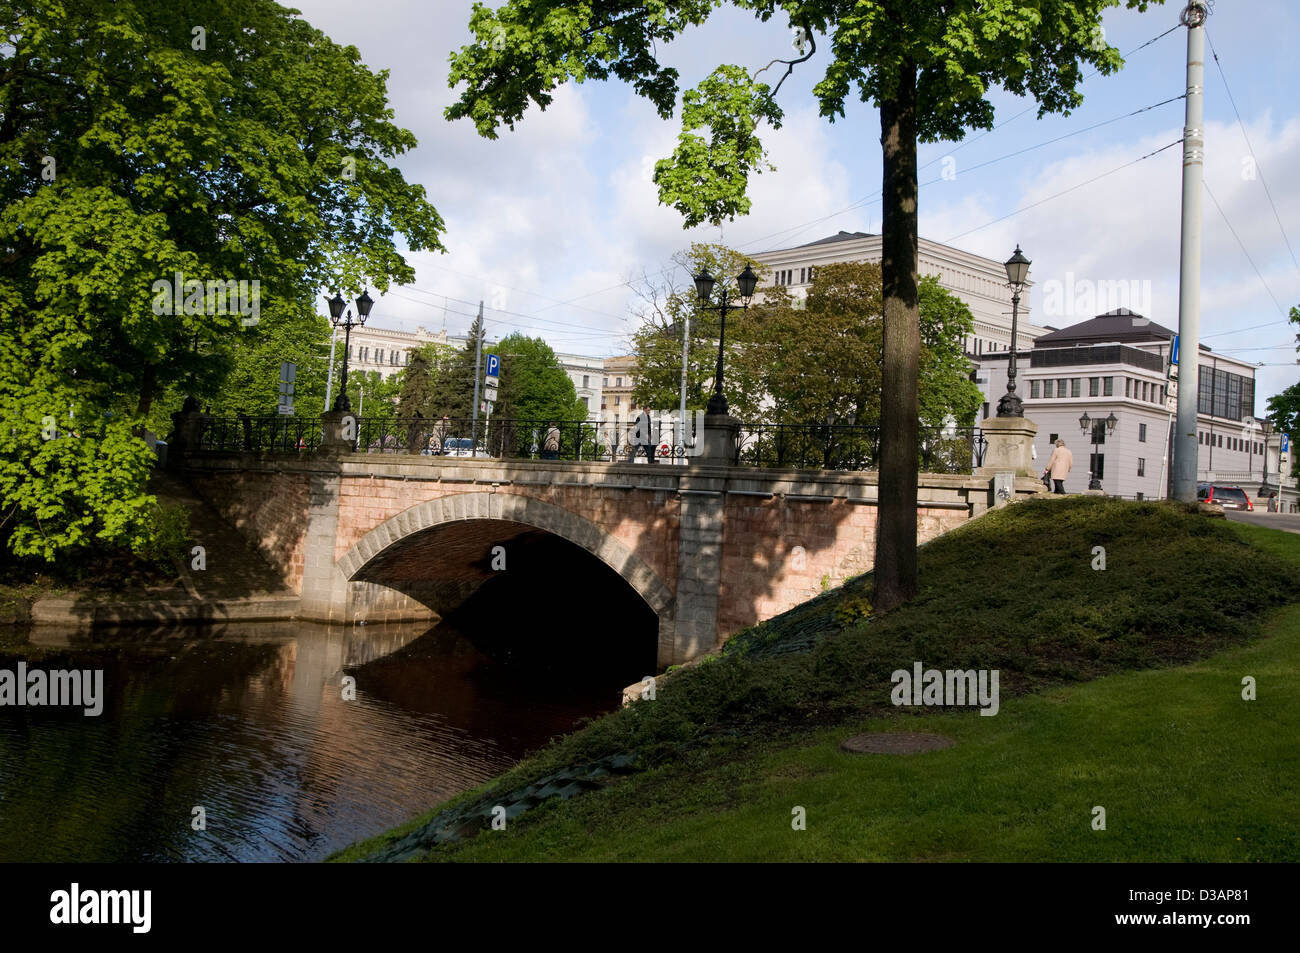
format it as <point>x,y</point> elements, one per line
<point>147,384</point>
<point>895,566</point>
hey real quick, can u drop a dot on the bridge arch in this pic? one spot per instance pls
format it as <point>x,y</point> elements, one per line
<point>514,508</point>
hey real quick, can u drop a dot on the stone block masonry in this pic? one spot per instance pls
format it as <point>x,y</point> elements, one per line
<point>711,549</point>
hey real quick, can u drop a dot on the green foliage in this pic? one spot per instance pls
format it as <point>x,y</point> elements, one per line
<point>800,364</point>
<point>128,156</point>
<point>168,543</point>
<point>533,384</point>
<point>852,610</point>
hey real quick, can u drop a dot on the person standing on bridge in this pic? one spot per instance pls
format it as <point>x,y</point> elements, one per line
<point>643,438</point>
<point>1058,465</point>
<point>551,443</point>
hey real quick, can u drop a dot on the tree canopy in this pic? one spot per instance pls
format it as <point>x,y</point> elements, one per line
<point>234,157</point>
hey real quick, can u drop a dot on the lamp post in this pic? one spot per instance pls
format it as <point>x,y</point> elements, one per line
<point>1017,270</point>
<point>337,304</point>
<point>704,282</point>
<point>1087,424</point>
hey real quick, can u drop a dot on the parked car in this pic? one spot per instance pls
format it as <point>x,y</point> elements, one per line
<point>462,447</point>
<point>1228,496</point>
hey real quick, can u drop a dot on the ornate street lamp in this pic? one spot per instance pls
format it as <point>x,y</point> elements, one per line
<point>1017,271</point>
<point>1087,424</point>
<point>746,281</point>
<point>337,304</point>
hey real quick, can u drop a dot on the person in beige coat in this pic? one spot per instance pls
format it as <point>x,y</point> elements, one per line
<point>1058,465</point>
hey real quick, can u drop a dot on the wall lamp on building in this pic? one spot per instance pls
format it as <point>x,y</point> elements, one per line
<point>1087,424</point>
<point>746,281</point>
<point>1017,267</point>
<point>337,304</point>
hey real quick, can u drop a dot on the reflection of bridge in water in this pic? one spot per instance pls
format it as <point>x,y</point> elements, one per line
<point>681,555</point>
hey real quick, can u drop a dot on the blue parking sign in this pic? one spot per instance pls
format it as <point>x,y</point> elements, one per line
<point>494,365</point>
<point>1173,354</point>
<point>1286,443</point>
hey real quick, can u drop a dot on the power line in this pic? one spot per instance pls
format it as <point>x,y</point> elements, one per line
<point>1258,168</point>
<point>1057,195</point>
<point>1242,246</point>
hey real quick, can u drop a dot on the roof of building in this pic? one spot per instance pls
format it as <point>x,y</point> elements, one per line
<point>1120,326</point>
<point>840,237</point>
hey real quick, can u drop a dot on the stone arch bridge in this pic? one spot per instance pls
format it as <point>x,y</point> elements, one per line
<point>709,549</point>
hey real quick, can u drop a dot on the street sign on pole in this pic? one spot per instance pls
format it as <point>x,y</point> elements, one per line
<point>491,381</point>
<point>1286,443</point>
<point>1173,355</point>
<point>288,374</point>
<point>490,393</point>
<point>493,365</point>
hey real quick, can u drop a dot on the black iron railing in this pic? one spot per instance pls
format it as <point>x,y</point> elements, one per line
<point>851,447</point>
<point>796,446</point>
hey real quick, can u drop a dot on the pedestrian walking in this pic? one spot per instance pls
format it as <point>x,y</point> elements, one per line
<point>551,442</point>
<point>1059,464</point>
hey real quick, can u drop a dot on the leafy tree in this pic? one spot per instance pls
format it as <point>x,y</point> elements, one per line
<point>927,64</point>
<point>380,395</point>
<point>533,384</point>
<point>1284,408</point>
<point>667,307</point>
<point>231,143</point>
<point>421,379</point>
<point>822,360</point>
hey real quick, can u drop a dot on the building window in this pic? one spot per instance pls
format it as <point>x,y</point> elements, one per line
<point>1076,386</point>
<point>1108,386</point>
<point>1139,496</point>
<point>1142,466</point>
<point>986,410</point>
<point>1097,465</point>
<point>586,381</point>
<point>1145,392</point>
<point>1094,386</point>
<point>1035,389</point>
<point>1061,384</point>
<point>604,382</point>
<point>1220,443</point>
<point>1099,432</point>
<point>1128,387</point>
<point>618,382</point>
<point>617,401</point>
<point>379,355</point>
<point>1047,387</point>
<point>1142,433</point>
<point>810,273</point>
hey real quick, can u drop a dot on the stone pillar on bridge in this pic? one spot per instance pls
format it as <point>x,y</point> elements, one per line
<point>324,588</point>
<point>338,431</point>
<point>187,428</point>
<point>699,566</point>
<point>721,432</point>
<point>1010,442</point>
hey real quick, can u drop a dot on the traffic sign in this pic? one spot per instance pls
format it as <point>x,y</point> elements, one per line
<point>492,381</point>
<point>1172,388</point>
<point>494,365</point>
<point>1171,404</point>
<point>1286,443</point>
<point>490,393</point>
<point>1173,355</point>
<point>487,407</point>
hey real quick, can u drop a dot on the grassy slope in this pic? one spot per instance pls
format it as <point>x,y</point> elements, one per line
<point>1182,765</point>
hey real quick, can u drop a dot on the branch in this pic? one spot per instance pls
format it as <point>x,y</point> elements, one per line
<point>790,64</point>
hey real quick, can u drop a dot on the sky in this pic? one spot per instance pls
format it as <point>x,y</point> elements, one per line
<point>548,224</point>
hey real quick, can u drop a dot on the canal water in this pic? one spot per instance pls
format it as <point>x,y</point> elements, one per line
<point>249,723</point>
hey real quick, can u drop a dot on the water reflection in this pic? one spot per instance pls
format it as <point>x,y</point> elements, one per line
<point>248,722</point>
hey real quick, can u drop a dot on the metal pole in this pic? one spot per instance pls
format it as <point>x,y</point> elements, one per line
<point>686,341</point>
<point>718,402</point>
<point>1189,339</point>
<point>478,363</point>
<point>329,381</point>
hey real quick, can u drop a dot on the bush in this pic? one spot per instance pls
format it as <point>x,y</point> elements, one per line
<point>168,544</point>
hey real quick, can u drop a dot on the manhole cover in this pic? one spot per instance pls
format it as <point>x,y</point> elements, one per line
<point>895,742</point>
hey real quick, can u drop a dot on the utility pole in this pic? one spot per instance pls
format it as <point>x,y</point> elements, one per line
<point>686,342</point>
<point>478,371</point>
<point>1183,472</point>
<point>329,381</point>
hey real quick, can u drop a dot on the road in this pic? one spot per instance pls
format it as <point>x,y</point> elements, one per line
<point>1284,521</point>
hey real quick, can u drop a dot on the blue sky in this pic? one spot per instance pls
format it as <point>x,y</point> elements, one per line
<point>549,223</point>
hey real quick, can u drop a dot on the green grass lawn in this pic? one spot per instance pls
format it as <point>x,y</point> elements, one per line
<point>1100,707</point>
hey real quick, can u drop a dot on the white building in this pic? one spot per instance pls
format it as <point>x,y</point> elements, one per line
<point>1116,363</point>
<point>980,282</point>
